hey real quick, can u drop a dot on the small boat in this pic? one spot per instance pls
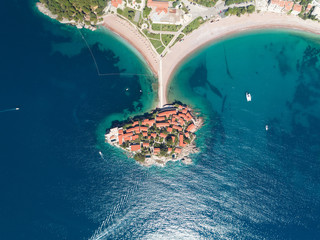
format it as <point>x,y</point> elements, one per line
<point>248,96</point>
<point>267,127</point>
<point>127,89</point>
<point>17,109</point>
<point>100,153</point>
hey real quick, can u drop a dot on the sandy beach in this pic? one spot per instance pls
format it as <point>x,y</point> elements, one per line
<point>131,34</point>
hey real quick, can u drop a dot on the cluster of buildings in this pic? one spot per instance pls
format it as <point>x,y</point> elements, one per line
<point>280,6</point>
<point>171,127</point>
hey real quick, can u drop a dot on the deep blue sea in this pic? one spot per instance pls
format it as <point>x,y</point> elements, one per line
<point>246,183</point>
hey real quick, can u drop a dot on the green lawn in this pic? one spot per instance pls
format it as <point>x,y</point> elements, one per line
<point>156,43</point>
<point>165,27</point>
<point>177,39</point>
<point>127,13</point>
<point>166,38</point>
<point>160,49</point>
<point>151,35</point>
<point>193,25</point>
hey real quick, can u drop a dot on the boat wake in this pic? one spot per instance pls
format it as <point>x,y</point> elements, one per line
<point>10,110</point>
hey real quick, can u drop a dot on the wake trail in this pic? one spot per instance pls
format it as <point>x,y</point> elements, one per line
<point>103,230</point>
<point>10,110</point>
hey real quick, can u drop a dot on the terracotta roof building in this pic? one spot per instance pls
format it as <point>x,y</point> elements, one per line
<point>159,6</point>
<point>156,150</point>
<point>191,127</point>
<point>178,150</point>
<point>159,119</point>
<point>135,147</point>
<point>163,135</point>
<point>162,124</point>
<point>116,3</point>
<point>167,113</point>
<point>145,144</point>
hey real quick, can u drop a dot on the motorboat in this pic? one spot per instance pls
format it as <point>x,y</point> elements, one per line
<point>248,96</point>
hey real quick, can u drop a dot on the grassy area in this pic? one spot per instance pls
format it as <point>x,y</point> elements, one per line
<point>156,43</point>
<point>160,49</point>
<point>128,13</point>
<point>206,3</point>
<point>229,2</point>
<point>151,35</point>
<point>165,27</point>
<point>177,39</point>
<point>166,38</point>
<point>193,25</point>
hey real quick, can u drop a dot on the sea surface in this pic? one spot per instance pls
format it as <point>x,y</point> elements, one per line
<point>246,183</point>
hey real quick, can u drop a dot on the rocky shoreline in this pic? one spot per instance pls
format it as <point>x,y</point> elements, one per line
<point>43,9</point>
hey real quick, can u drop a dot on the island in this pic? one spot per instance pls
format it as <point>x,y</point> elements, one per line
<point>162,135</point>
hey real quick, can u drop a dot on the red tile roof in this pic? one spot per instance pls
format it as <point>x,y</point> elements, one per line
<point>191,127</point>
<point>135,147</point>
<point>159,119</point>
<point>187,134</point>
<point>120,139</point>
<point>163,135</point>
<point>178,150</point>
<point>120,131</point>
<point>127,138</point>
<point>297,8</point>
<point>287,5</point>
<point>146,144</point>
<point>181,144</point>
<point>167,113</point>
<point>156,150</point>
<point>177,127</point>
<point>153,135</point>
<point>143,128</point>
<point>184,110</point>
<point>169,129</point>
<point>149,137</point>
<point>145,134</point>
<point>169,149</point>
<point>135,137</point>
<point>173,138</point>
<point>162,124</point>
<point>128,134</point>
<point>160,6</point>
<point>115,3</point>
<point>135,123</point>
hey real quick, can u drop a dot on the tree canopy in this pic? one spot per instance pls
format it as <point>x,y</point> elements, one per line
<point>83,11</point>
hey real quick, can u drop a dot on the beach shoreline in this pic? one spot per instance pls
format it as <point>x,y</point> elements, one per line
<point>232,26</point>
<point>131,34</point>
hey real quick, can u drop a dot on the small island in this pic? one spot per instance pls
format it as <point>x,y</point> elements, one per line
<point>165,134</point>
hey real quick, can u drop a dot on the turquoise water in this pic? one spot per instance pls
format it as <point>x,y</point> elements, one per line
<point>246,183</point>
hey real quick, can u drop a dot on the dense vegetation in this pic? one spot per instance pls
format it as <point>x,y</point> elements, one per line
<point>87,11</point>
<point>206,3</point>
<point>240,10</point>
<point>229,2</point>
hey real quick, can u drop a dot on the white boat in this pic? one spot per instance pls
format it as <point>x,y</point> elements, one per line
<point>17,109</point>
<point>267,127</point>
<point>248,96</point>
<point>101,154</point>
